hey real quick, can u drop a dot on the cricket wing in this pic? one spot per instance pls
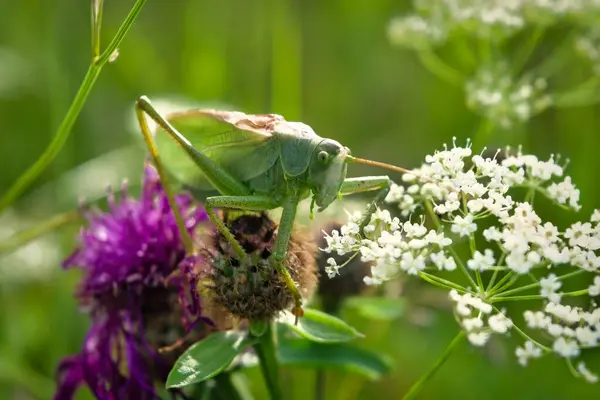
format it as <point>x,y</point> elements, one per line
<point>239,143</point>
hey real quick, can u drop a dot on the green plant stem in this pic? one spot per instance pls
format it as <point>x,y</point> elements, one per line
<point>21,238</point>
<point>266,350</point>
<point>575,293</point>
<point>64,130</point>
<point>224,388</point>
<point>441,282</point>
<point>439,68</point>
<point>537,284</point>
<point>437,224</point>
<point>418,385</point>
<point>523,54</point>
<point>320,379</point>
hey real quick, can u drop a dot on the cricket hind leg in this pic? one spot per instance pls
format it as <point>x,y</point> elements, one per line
<point>222,180</point>
<point>382,184</point>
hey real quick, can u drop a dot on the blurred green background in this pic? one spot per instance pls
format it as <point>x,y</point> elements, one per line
<point>326,63</point>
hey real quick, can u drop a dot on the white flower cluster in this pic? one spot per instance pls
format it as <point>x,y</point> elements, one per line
<point>588,45</point>
<point>495,94</point>
<point>394,247</point>
<point>471,311</point>
<point>434,21</point>
<point>469,200</point>
<point>571,330</point>
<point>463,196</point>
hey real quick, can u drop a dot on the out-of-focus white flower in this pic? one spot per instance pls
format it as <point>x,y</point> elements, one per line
<point>498,96</point>
<point>586,373</point>
<point>528,351</point>
<point>548,287</point>
<point>594,289</point>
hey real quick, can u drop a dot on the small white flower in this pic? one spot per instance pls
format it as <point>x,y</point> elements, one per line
<point>482,262</point>
<point>594,289</point>
<point>527,352</point>
<point>499,323</point>
<point>565,313</point>
<point>555,330</point>
<point>443,261</point>
<point>566,348</point>
<point>332,269</point>
<point>548,287</point>
<point>565,193</point>
<point>471,324</point>
<point>438,238</point>
<point>536,320</point>
<point>478,338</point>
<point>587,336</point>
<point>412,265</point>
<point>464,226</point>
<point>586,373</point>
<point>492,234</point>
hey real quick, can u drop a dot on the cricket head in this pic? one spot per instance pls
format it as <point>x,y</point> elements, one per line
<point>327,171</point>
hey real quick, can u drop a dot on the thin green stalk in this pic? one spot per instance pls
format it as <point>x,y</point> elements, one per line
<point>64,130</point>
<point>96,23</point>
<point>418,385</point>
<point>537,284</point>
<point>501,282</point>
<point>492,280</point>
<point>525,51</point>
<point>21,238</point>
<point>266,349</point>
<point>439,68</point>
<point>224,388</point>
<point>575,293</point>
<point>440,282</point>
<point>437,224</point>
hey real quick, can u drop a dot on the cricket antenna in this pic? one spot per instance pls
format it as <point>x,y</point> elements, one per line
<point>386,166</point>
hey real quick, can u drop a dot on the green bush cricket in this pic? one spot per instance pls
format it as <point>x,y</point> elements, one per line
<point>257,163</point>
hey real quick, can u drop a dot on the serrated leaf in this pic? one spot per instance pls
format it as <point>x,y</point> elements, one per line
<point>207,358</point>
<point>321,327</point>
<point>380,308</point>
<point>342,356</point>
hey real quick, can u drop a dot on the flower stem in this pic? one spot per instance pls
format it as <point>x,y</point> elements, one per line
<point>64,130</point>
<point>418,385</point>
<point>575,293</point>
<point>21,238</point>
<point>537,284</point>
<point>437,224</point>
<point>439,68</point>
<point>266,349</point>
<point>440,282</point>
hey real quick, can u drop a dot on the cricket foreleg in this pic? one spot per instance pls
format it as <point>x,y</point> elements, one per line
<point>250,203</point>
<point>286,225</point>
<point>366,184</point>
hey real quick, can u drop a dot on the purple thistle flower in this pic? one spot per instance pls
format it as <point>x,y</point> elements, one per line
<point>129,256</point>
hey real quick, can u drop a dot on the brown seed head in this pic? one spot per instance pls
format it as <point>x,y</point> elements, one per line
<point>253,289</point>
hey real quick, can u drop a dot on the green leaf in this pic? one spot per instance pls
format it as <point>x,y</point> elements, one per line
<point>207,358</point>
<point>380,308</point>
<point>342,356</point>
<point>321,327</point>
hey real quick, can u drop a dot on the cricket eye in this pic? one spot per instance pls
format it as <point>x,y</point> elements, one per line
<point>323,157</point>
